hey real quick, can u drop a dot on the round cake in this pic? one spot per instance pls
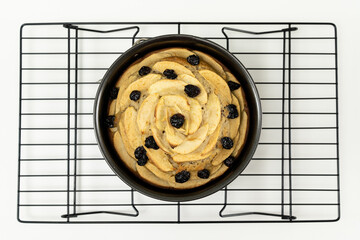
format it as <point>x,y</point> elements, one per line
<point>177,118</point>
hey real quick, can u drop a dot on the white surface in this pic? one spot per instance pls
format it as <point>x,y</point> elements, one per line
<point>344,15</point>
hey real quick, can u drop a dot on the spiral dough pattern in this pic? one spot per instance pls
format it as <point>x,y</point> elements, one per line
<point>178,118</point>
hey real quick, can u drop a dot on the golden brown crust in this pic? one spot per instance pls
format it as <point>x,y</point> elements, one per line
<point>196,145</point>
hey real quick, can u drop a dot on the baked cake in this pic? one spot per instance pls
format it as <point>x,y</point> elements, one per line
<point>178,118</point>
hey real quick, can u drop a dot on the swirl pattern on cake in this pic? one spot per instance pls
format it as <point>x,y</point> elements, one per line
<point>178,118</point>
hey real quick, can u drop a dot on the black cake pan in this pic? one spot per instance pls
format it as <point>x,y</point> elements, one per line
<point>192,42</point>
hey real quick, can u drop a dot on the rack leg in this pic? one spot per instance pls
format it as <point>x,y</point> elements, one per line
<point>221,212</point>
<point>135,214</point>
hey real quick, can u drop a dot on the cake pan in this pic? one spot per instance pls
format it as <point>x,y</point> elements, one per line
<point>192,42</point>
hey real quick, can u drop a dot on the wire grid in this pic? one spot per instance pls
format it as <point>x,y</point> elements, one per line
<point>293,176</point>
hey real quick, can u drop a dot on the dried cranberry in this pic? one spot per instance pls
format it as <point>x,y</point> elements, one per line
<point>203,174</point>
<point>109,121</point>
<point>140,155</point>
<point>227,142</point>
<point>229,161</point>
<point>233,112</point>
<point>144,70</point>
<point>182,176</point>
<point>150,143</point>
<point>192,90</point>
<point>193,59</point>
<point>170,74</point>
<point>177,120</point>
<point>135,95</point>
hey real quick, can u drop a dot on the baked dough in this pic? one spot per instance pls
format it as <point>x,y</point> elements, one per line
<point>194,146</point>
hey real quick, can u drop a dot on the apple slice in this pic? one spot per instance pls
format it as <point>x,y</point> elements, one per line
<point>195,156</point>
<point>131,129</point>
<point>219,171</point>
<point>195,116</point>
<point>212,114</point>
<point>206,149</point>
<point>213,169</point>
<point>123,151</point>
<point>193,141</point>
<point>157,172</point>
<point>140,85</point>
<point>173,137</point>
<point>176,100</point>
<point>128,147</point>
<point>159,158</point>
<point>160,115</point>
<point>164,145</point>
<point>219,84</point>
<point>239,93</point>
<point>146,112</point>
<point>168,87</point>
<point>212,63</point>
<point>213,138</point>
<point>149,176</point>
<point>178,68</point>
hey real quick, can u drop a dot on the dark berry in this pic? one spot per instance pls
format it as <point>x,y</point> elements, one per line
<point>170,74</point>
<point>144,70</point>
<point>114,92</point>
<point>182,176</point>
<point>227,143</point>
<point>177,120</point>
<point>139,152</point>
<point>192,90</point>
<point>204,174</point>
<point>135,95</point>
<point>193,59</point>
<point>233,85</point>
<point>233,112</point>
<point>109,121</point>
<point>150,143</point>
<point>229,161</point>
<point>140,155</point>
<point>142,161</point>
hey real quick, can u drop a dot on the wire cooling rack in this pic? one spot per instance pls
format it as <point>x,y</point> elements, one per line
<point>293,176</point>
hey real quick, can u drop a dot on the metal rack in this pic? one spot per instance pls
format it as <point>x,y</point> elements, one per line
<point>293,176</point>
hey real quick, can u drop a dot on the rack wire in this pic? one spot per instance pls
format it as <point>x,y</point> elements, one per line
<point>293,176</point>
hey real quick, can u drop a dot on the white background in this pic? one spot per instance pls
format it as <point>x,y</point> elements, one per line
<point>345,14</point>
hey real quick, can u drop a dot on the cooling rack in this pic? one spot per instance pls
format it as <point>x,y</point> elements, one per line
<point>293,176</point>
